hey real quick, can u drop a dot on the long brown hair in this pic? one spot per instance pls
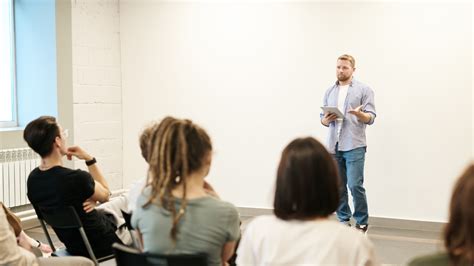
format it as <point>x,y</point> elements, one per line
<point>178,148</point>
<point>459,232</point>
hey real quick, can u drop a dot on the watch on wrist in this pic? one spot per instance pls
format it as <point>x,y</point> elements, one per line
<point>91,161</point>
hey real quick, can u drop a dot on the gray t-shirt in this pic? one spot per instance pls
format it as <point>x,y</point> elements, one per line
<point>206,226</point>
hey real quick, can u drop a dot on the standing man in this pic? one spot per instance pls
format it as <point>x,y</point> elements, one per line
<point>346,139</point>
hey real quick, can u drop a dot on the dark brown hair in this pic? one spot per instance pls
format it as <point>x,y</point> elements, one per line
<point>40,134</point>
<point>459,232</point>
<point>177,149</point>
<point>307,181</point>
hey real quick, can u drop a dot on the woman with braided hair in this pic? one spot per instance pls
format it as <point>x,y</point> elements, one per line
<point>175,212</point>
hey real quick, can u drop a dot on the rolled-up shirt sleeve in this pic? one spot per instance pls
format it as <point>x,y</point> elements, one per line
<point>368,104</point>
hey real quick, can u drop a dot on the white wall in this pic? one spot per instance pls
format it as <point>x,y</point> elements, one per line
<point>254,74</point>
<point>97,84</point>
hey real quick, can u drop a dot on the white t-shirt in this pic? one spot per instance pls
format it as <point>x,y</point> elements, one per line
<point>340,105</point>
<point>134,192</point>
<point>268,240</point>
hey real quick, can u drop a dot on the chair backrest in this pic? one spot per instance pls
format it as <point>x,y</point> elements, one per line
<point>126,256</point>
<point>133,234</point>
<point>64,218</point>
<point>128,219</point>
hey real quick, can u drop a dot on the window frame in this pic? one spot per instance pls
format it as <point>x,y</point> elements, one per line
<point>14,107</point>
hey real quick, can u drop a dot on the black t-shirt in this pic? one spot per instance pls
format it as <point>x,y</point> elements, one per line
<point>59,187</point>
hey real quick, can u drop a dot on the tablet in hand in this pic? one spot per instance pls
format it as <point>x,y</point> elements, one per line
<point>333,110</point>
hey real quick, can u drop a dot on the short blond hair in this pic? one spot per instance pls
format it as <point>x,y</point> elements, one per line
<point>349,58</point>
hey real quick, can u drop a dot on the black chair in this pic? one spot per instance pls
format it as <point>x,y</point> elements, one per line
<point>133,234</point>
<point>128,219</point>
<point>126,256</point>
<point>65,218</point>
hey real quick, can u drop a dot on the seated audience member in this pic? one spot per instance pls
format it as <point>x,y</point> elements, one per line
<point>137,187</point>
<point>299,232</point>
<point>459,232</point>
<point>51,185</point>
<point>175,213</point>
<point>14,254</point>
<point>22,238</point>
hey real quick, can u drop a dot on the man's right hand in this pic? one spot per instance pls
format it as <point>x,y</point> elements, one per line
<point>78,152</point>
<point>89,205</point>
<point>328,118</point>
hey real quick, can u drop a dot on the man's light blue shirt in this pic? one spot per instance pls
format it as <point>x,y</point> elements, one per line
<point>352,134</point>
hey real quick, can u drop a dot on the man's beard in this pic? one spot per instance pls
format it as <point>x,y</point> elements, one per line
<point>343,78</point>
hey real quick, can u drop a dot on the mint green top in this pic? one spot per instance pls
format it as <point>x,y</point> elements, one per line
<point>438,259</point>
<point>206,226</point>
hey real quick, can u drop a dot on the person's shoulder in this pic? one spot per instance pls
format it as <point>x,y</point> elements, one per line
<point>219,205</point>
<point>358,84</point>
<point>64,171</point>
<point>267,218</point>
<point>138,184</point>
<point>75,173</point>
<point>144,195</point>
<point>34,173</point>
<point>56,171</point>
<point>432,259</point>
<point>332,86</point>
<point>263,221</point>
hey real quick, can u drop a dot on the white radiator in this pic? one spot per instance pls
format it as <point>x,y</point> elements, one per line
<point>15,166</point>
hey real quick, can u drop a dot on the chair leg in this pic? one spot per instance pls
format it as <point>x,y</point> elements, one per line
<point>88,246</point>
<point>45,229</point>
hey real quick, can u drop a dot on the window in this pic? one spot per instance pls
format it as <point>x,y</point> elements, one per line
<point>8,115</point>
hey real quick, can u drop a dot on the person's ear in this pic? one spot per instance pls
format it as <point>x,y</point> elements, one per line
<point>208,159</point>
<point>57,141</point>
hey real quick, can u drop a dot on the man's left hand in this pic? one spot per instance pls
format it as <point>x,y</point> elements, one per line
<point>89,205</point>
<point>361,115</point>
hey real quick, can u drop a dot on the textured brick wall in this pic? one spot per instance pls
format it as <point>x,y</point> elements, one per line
<point>97,84</point>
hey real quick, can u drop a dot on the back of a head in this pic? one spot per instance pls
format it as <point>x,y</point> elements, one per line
<point>144,140</point>
<point>178,147</point>
<point>40,134</point>
<point>459,232</point>
<point>307,181</point>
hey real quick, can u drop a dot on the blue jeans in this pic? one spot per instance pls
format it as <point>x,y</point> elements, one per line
<point>351,172</point>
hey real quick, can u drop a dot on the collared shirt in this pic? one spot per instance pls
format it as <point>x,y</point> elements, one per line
<point>352,134</point>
